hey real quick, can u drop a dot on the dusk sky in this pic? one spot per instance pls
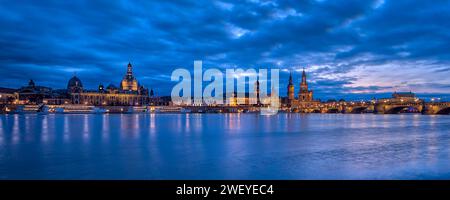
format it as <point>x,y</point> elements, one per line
<point>354,49</point>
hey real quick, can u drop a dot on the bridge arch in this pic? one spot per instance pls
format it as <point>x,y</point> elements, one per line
<point>333,110</point>
<point>444,111</point>
<point>358,109</point>
<point>399,108</point>
<point>396,109</point>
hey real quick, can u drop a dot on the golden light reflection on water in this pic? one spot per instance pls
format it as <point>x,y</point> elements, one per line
<point>105,126</point>
<point>129,125</point>
<point>15,131</point>
<point>432,142</point>
<point>85,127</point>
<point>198,123</point>
<point>179,124</point>
<point>415,120</point>
<point>233,121</point>
<point>28,123</point>
<point>188,122</point>
<point>291,123</point>
<point>66,128</point>
<point>152,127</point>
<point>45,131</point>
<point>136,122</point>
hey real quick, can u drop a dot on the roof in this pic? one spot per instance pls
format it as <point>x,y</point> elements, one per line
<point>74,81</point>
<point>7,90</point>
<point>111,86</point>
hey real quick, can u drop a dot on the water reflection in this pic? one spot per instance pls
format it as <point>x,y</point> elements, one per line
<point>15,136</point>
<point>44,128</point>
<point>105,127</point>
<point>224,146</point>
<point>85,128</point>
<point>152,124</point>
<point>187,123</point>
<point>66,128</point>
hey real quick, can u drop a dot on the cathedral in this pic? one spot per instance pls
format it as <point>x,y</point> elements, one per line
<point>129,83</point>
<point>305,99</point>
<point>304,94</point>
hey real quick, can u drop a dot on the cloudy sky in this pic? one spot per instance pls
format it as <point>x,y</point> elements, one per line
<point>353,49</point>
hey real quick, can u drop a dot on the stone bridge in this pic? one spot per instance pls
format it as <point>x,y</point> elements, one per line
<point>437,108</point>
<point>353,107</point>
<point>430,108</point>
<point>396,107</point>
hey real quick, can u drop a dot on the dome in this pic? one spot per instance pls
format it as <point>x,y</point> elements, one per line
<point>74,85</point>
<point>74,82</point>
<point>111,87</point>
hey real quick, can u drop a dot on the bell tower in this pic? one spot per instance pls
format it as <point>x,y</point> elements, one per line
<point>129,83</point>
<point>304,94</point>
<point>290,88</point>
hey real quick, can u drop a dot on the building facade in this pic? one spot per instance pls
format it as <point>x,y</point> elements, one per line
<point>33,94</point>
<point>304,101</point>
<point>129,83</point>
<point>130,92</point>
<point>304,94</point>
<point>8,95</point>
<point>290,89</point>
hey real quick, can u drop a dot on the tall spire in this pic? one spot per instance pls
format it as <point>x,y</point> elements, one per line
<point>129,69</point>
<point>290,89</point>
<point>304,76</point>
<point>304,84</point>
<point>290,78</point>
<point>257,90</point>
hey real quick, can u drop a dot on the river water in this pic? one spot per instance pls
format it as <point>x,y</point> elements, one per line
<point>224,146</point>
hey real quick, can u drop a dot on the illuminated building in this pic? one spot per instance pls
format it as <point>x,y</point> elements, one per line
<point>32,94</point>
<point>305,101</point>
<point>304,94</point>
<point>8,95</point>
<point>402,97</point>
<point>129,83</point>
<point>130,92</point>
<point>245,98</point>
<point>290,89</point>
<point>74,85</point>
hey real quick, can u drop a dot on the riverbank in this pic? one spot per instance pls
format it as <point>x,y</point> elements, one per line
<point>87,109</point>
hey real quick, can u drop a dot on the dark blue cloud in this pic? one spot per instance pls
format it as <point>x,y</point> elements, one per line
<point>346,46</point>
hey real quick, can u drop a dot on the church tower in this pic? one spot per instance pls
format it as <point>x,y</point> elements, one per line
<point>304,94</point>
<point>129,83</point>
<point>257,92</point>
<point>290,88</point>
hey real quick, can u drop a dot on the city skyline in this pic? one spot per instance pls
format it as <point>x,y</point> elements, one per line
<point>297,83</point>
<point>348,51</point>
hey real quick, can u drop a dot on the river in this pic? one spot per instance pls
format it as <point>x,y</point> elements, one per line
<point>224,146</point>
